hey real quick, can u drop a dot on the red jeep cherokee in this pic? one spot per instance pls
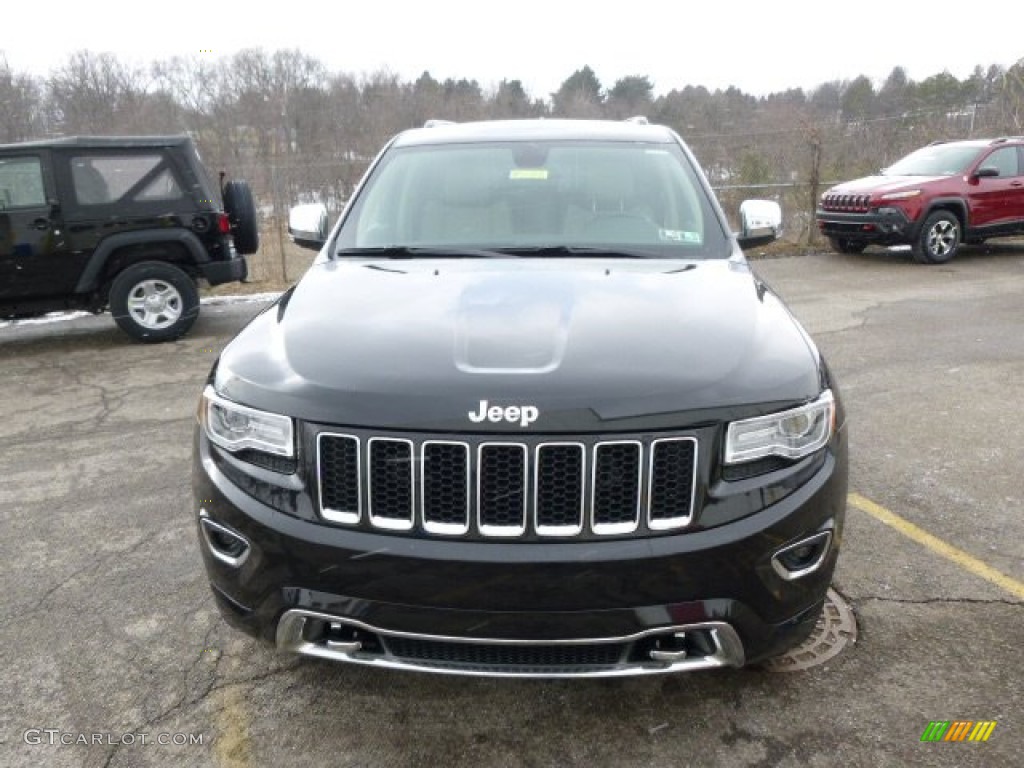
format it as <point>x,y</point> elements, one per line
<point>933,199</point>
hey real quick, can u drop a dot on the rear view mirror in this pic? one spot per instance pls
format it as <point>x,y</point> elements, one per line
<point>760,222</point>
<point>307,225</point>
<point>986,172</point>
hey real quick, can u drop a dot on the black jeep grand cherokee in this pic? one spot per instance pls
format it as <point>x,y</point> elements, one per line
<point>530,413</point>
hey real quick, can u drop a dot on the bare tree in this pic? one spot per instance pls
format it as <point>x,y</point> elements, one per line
<point>95,93</point>
<point>20,105</point>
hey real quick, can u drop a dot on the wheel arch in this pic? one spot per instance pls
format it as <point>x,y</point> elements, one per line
<point>955,205</point>
<point>114,253</point>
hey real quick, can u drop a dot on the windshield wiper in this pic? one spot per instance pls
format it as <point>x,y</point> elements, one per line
<point>423,252</point>
<point>580,250</point>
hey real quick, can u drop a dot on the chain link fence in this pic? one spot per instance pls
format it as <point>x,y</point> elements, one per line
<point>790,165</point>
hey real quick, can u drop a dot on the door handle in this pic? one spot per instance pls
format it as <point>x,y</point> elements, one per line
<point>41,223</point>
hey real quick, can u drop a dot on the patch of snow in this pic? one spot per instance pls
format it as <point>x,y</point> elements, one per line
<point>51,317</point>
<point>247,298</point>
<point>61,317</point>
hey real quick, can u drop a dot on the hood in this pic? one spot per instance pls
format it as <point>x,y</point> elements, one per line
<point>879,185</point>
<point>591,345</point>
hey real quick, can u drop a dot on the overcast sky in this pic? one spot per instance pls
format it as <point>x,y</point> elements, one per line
<point>759,46</point>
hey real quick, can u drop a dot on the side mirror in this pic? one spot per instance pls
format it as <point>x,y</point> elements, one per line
<point>760,223</point>
<point>986,172</point>
<point>307,225</point>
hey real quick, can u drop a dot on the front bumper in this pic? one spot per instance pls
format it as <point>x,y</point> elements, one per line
<point>692,600</point>
<point>884,226</point>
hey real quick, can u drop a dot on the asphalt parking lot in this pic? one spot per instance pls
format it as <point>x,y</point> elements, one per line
<point>110,636</point>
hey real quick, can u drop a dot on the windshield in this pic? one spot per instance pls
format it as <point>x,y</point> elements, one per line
<point>535,198</point>
<point>938,160</point>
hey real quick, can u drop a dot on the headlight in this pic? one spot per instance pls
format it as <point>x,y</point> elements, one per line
<point>907,193</point>
<point>790,434</point>
<point>235,427</point>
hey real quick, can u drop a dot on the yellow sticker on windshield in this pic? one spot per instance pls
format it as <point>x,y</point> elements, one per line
<point>679,236</point>
<point>528,173</point>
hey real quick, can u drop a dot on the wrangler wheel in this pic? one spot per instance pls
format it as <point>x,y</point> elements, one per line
<point>154,301</point>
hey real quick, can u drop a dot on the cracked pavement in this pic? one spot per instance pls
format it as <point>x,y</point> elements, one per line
<point>108,627</point>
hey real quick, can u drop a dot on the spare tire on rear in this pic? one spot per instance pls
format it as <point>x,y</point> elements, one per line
<point>241,210</point>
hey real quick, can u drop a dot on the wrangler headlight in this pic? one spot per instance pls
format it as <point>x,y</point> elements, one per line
<point>790,434</point>
<point>235,427</point>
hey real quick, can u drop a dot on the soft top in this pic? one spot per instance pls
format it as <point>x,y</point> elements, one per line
<point>101,142</point>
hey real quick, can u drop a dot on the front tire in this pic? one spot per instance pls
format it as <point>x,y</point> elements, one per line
<point>154,301</point>
<point>939,239</point>
<point>842,245</point>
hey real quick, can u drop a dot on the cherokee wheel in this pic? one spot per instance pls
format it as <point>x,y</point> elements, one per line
<point>939,239</point>
<point>154,301</point>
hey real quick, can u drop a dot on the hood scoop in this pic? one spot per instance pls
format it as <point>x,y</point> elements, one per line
<point>513,325</point>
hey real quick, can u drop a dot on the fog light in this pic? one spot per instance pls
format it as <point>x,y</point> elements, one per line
<point>225,544</point>
<point>803,557</point>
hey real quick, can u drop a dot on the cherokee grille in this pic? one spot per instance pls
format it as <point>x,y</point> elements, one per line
<point>505,488</point>
<point>846,203</point>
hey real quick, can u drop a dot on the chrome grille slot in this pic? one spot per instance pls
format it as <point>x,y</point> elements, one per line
<point>340,479</point>
<point>671,494</point>
<point>501,489</point>
<point>390,469</point>
<point>528,487</point>
<point>444,487</point>
<point>617,483</point>
<point>560,469</point>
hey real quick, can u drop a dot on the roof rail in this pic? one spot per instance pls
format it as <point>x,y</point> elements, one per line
<point>939,141</point>
<point>1004,139</point>
<point>433,123</point>
<point>637,120</point>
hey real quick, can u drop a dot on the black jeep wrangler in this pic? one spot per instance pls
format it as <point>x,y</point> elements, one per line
<point>125,223</point>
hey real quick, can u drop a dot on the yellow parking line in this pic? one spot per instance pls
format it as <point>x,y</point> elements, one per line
<point>937,545</point>
<point>232,748</point>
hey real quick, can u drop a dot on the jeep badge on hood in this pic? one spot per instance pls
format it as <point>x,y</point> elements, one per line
<point>524,414</point>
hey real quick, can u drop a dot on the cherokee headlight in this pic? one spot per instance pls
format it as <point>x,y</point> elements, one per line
<point>905,194</point>
<point>235,427</point>
<point>790,434</point>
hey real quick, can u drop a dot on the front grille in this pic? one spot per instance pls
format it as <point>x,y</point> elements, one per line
<point>492,488</point>
<point>843,228</point>
<point>846,203</point>
<point>487,655</point>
